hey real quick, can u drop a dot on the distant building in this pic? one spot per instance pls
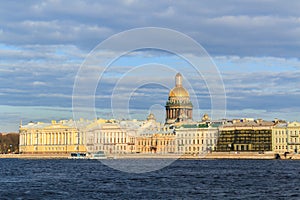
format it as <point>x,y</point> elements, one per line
<point>119,137</point>
<point>110,137</point>
<point>61,137</point>
<point>280,138</point>
<point>286,137</point>
<point>246,135</point>
<point>293,137</point>
<point>196,138</point>
<point>160,143</point>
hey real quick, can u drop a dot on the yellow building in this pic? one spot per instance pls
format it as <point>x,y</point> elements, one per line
<point>51,138</point>
<point>286,137</point>
<point>279,138</point>
<point>161,143</point>
<point>293,137</point>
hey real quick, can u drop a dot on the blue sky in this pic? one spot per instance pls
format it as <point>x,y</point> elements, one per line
<point>255,45</point>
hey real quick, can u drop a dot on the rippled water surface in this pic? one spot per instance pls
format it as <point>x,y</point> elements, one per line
<point>183,179</point>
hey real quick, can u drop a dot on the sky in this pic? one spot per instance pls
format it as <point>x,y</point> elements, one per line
<point>254,45</point>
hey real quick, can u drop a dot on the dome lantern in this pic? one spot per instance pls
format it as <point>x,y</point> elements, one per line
<point>178,80</point>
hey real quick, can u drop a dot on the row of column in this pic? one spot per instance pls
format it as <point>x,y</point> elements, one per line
<point>174,113</point>
<point>110,137</point>
<point>48,138</point>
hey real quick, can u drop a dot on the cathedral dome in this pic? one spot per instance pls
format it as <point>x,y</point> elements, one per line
<point>178,90</point>
<point>179,108</point>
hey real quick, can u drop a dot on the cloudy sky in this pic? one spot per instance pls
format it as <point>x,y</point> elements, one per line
<point>254,44</point>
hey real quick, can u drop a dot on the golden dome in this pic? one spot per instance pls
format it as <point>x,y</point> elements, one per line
<point>178,92</point>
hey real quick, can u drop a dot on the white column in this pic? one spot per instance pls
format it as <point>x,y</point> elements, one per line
<point>71,137</point>
<point>31,138</point>
<point>21,139</point>
<point>65,137</point>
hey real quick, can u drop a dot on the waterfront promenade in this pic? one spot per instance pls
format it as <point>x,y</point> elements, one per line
<point>213,155</point>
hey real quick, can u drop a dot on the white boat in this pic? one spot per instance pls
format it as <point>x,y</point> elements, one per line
<point>98,155</point>
<point>78,156</point>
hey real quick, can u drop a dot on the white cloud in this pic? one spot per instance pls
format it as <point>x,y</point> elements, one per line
<point>255,44</point>
<point>249,28</point>
<point>39,83</point>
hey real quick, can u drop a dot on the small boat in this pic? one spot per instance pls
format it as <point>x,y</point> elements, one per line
<point>77,156</point>
<point>277,156</point>
<point>98,156</point>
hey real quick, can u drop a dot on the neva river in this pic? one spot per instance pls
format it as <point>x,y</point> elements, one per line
<point>183,179</point>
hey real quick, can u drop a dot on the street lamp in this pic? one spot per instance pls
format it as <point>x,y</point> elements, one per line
<point>229,146</point>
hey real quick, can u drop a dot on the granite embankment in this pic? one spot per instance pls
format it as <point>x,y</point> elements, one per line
<point>34,156</point>
<point>213,155</point>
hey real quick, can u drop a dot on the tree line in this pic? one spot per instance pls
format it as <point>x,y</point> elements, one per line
<point>9,143</point>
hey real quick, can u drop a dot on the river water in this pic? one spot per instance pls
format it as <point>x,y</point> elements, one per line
<point>183,179</point>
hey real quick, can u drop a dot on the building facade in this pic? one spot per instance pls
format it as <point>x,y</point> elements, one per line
<point>280,138</point>
<point>293,137</point>
<point>51,138</point>
<point>286,137</point>
<point>160,143</point>
<point>120,137</point>
<point>196,138</point>
<point>246,135</point>
<point>109,136</point>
